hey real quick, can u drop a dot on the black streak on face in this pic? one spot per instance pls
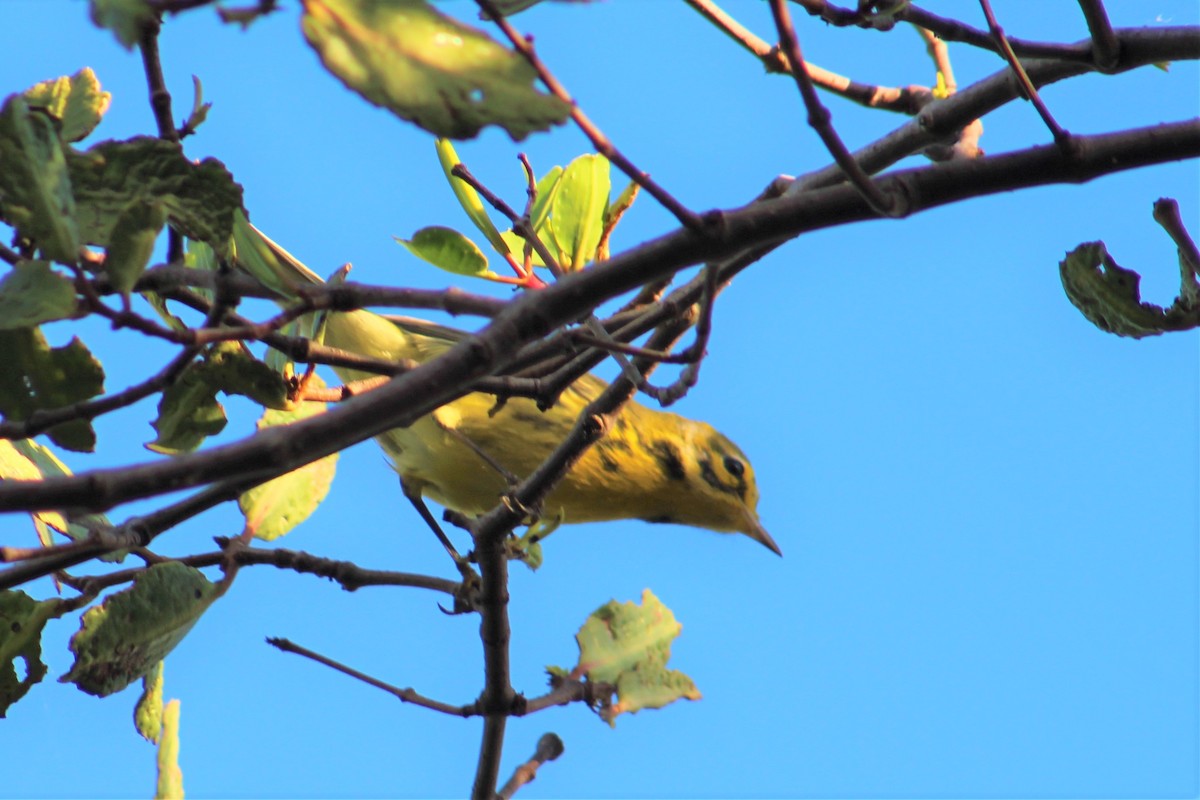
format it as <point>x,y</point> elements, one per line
<point>664,519</point>
<point>709,476</point>
<point>669,459</point>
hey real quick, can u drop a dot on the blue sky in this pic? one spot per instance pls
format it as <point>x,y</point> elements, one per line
<point>988,508</point>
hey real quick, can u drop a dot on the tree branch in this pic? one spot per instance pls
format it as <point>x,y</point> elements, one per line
<point>414,394</point>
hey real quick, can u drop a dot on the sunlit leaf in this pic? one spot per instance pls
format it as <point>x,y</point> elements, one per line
<point>447,249</point>
<point>468,198</point>
<point>447,77</point>
<point>279,505</point>
<point>577,210</point>
<point>76,102</point>
<point>169,785</point>
<point>628,645</point>
<point>49,465</point>
<point>148,711</point>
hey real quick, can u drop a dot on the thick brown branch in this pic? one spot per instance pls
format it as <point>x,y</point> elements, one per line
<point>408,397</point>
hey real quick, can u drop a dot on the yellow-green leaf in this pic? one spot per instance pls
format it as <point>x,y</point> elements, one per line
<point>275,507</point>
<point>468,198</point>
<point>170,777</point>
<point>76,102</point>
<point>577,210</point>
<point>148,711</point>
<point>447,249</point>
<point>48,465</point>
<point>429,69</point>
<point>628,646</point>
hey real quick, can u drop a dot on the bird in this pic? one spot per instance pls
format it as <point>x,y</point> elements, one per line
<point>650,464</point>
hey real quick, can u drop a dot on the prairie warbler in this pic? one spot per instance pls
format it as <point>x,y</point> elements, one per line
<point>650,465</point>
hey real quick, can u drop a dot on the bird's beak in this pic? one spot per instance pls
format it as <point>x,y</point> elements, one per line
<point>758,533</point>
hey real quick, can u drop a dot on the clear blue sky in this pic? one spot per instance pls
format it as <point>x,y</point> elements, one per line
<point>988,508</point>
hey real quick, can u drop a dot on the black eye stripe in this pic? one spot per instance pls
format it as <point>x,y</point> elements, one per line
<point>734,467</point>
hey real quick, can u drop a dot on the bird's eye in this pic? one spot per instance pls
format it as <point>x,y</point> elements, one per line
<point>734,467</point>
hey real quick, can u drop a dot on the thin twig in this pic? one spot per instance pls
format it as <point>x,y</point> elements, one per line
<point>524,46</point>
<point>520,225</point>
<point>404,695</point>
<point>9,255</point>
<point>1166,213</point>
<point>951,30</point>
<point>273,452</point>
<point>549,747</point>
<point>905,100</point>
<point>820,119</point>
<point>349,575</point>
<point>1061,137</point>
<point>941,59</point>
<point>160,105</point>
<point>1106,48</point>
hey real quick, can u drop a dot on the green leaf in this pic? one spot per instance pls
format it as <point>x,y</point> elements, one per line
<point>170,777</point>
<point>1110,296</point>
<point>613,214</point>
<point>35,188</point>
<point>200,199</point>
<point>189,412</point>
<point>76,102</point>
<point>122,639</point>
<point>21,622</point>
<point>547,188</point>
<point>32,294</point>
<point>447,249</point>
<point>131,242</point>
<point>427,68</point>
<point>232,369</point>
<point>148,712</point>
<point>516,245</point>
<point>577,210</point>
<point>125,18</point>
<point>468,198</point>
<point>33,376</point>
<point>275,507</point>
<point>628,646</point>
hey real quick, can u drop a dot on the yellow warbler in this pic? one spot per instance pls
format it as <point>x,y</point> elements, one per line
<point>650,465</point>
